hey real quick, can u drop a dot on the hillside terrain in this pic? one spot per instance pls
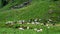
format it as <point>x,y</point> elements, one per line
<point>36,9</point>
<point>15,10</point>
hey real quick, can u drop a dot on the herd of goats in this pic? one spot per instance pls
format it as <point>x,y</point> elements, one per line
<point>30,21</point>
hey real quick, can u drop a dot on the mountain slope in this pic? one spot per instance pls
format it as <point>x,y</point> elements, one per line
<point>37,9</point>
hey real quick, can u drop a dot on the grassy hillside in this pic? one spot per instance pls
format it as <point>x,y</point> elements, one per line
<point>51,30</point>
<point>37,9</point>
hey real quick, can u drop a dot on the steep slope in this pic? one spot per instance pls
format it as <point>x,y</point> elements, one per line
<point>37,9</point>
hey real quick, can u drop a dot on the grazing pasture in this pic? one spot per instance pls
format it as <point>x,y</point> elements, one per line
<point>45,30</point>
<point>30,17</point>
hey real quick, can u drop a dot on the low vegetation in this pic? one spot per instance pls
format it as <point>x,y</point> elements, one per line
<point>13,11</point>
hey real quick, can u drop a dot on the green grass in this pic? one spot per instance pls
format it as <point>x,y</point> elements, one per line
<point>52,30</point>
<point>37,9</point>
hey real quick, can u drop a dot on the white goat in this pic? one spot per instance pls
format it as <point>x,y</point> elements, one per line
<point>40,30</point>
<point>21,28</point>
